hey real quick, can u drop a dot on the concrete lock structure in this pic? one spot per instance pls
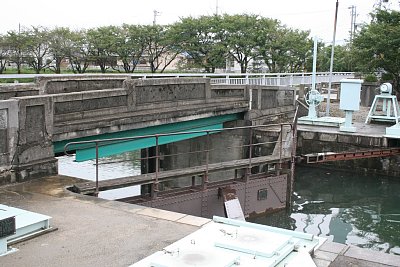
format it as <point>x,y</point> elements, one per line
<point>37,120</point>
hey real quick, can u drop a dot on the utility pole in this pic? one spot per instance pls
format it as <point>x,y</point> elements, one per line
<point>352,26</point>
<point>155,14</point>
<point>328,100</point>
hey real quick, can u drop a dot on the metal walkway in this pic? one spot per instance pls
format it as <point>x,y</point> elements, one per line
<point>90,187</point>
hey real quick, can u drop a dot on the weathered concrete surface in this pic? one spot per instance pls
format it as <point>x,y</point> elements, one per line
<point>315,139</point>
<point>368,92</point>
<point>272,104</point>
<point>8,91</point>
<point>338,255</point>
<point>91,231</point>
<point>78,83</point>
<point>79,106</point>
<point>29,125</point>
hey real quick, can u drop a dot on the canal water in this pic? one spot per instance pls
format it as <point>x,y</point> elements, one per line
<point>362,210</point>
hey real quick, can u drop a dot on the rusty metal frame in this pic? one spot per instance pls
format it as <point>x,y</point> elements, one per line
<point>363,154</point>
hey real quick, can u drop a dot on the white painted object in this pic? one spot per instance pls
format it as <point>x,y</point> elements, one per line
<point>234,210</point>
<point>350,90</point>
<point>226,242</point>
<point>27,224</point>
<point>390,107</point>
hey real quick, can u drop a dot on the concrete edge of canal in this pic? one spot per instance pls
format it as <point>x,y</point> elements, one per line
<point>98,232</point>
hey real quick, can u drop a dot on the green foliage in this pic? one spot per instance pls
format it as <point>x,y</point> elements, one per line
<point>370,78</point>
<point>102,43</point>
<point>197,37</point>
<point>129,45</point>
<point>342,58</point>
<point>239,34</point>
<point>377,46</point>
<point>206,43</point>
<point>60,45</point>
<point>161,47</point>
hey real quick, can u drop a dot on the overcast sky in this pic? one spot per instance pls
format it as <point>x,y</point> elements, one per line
<point>314,15</point>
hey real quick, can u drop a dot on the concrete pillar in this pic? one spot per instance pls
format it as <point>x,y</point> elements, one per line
<point>27,128</point>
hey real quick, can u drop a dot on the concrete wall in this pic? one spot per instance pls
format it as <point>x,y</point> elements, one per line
<point>315,142</point>
<point>29,124</point>
<point>368,93</point>
<point>224,146</point>
<point>62,84</point>
<point>8,91</point>
<point>271,104</point>
<point>78,83</point>
<point>68,107</point>
<point>140,103</point>
<point>27,128</point>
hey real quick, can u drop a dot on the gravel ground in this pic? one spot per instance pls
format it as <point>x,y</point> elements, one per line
<point>358,116</point>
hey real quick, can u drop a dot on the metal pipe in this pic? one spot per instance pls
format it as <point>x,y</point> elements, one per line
<point>314,69</point>
<point>293,160</point>
<point>207,157</point>
<point>280,151</point>
<point>97,170</point>
<point>157,167</point>
<point>328,100</point>
<point>250,152</point>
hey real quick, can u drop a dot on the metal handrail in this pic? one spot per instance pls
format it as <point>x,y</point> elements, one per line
<point>99,142</point>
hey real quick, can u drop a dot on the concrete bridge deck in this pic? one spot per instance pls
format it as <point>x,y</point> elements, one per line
<point>97,232</point>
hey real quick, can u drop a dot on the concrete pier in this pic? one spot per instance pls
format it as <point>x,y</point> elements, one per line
<point>97,232</point>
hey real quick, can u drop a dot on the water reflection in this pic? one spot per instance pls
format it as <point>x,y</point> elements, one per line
<point>343,207</point>
<point>346,208</point>
<point>122,165</point>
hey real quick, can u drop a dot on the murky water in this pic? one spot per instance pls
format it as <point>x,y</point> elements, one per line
<point>343,207</point>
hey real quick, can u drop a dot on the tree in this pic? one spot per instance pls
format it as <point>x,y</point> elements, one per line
<point>284,49</point>
<point>60,44</point>
<point>129,45</point>
<point>197,39</point>
<point>17,43</point>
<point>239,34</point>
<point>4,53</point>
<point>37,48</point>
<point>161,48</point>
<point>101,41</point>
<point>79,54</point>
<point>376,46</point>
<point>342,60</point>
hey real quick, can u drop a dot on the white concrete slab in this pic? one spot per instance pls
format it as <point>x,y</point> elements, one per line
<point>333,247</point>
<point>373,256</point>
<point>193,220</point>
<point>161,214</point>
<point>324,255</point>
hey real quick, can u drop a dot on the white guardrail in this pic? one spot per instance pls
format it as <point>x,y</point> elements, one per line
<point>276,79</point>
